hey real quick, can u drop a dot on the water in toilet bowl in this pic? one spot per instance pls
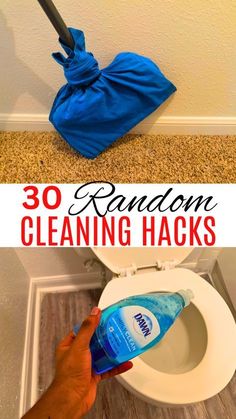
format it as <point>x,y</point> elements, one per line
<point>133,326</point>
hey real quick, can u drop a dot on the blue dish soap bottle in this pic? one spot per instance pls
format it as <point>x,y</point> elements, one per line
<point>134,325</point>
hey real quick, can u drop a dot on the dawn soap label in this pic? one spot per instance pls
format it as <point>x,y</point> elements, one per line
<point>130,329</point>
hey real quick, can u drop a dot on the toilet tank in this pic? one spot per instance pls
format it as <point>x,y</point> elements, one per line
<point>224,277</point>
<point>202,260</point>
<point>218,267</point>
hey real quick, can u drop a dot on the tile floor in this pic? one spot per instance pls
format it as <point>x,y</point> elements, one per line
<point>59,312</point>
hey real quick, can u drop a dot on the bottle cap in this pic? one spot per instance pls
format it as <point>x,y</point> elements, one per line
<point>187,296</point>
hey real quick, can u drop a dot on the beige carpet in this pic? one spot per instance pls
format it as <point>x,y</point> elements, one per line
<point>45,158</point>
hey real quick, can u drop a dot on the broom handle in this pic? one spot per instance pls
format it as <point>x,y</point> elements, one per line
<point>57,21</point>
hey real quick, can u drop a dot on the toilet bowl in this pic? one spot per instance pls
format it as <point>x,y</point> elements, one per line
<point>196,359</point>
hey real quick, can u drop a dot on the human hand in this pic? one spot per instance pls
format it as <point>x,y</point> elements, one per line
<point>74,388</point>
<point>74,366</point>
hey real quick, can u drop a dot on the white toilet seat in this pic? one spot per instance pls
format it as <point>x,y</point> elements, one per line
<point>218,364</point>
<point>121,258</point>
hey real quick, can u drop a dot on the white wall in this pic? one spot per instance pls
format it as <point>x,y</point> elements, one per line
<point>227,265</point>
<point>193,42</point>
<point>14,287</point>
<point>48,262</point>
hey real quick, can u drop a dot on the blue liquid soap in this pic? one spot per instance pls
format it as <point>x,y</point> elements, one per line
<point>134,325</point>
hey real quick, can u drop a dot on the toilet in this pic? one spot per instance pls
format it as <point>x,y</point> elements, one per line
<point>197,357</point>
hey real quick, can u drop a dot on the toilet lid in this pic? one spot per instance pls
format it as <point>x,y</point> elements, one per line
<point>218,362</point>
<point>119,258</point>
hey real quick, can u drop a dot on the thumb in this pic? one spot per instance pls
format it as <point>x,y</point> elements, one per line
<point>87,329</point>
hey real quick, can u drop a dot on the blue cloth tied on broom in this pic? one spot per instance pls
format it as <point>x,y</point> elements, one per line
<point>96,107</point>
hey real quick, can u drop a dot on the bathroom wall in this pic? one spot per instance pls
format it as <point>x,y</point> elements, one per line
<point>227,266</point>
<point>193,42</point>
<point>14,287</point>
<point>48,262</point>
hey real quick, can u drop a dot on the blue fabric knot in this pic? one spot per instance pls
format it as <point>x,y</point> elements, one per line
<point>95,108</point>
<point>80,67</point>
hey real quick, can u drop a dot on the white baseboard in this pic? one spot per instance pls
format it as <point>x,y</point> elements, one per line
<point>166,125</point>
<point>25,122</point>
<point>38,288</point>
<point>181,125</point>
